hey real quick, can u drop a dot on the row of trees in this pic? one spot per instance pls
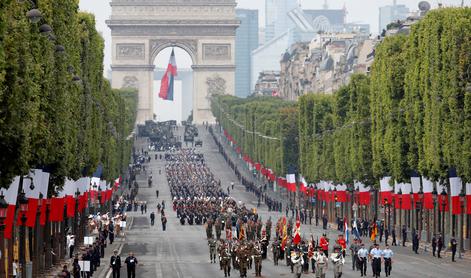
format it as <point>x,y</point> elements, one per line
<point>57,112</point>
<point>264,128</point>
<point>412,115</point>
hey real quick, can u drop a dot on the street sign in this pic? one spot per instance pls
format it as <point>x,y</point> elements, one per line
<point>355,207</point>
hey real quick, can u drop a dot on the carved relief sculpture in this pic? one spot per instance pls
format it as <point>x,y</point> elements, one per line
<point>216,85</point>
<point>134,51</point>
<point>130,82</point>
<point>216,51</point>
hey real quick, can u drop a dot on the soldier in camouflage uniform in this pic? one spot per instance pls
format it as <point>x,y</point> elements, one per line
<point>218,226</point>
<point>268,228</point>
<point>226,260</point>
<point>242,258</point>
<point>212,250</point>
<point>275,247</point>
<point>257,256</point>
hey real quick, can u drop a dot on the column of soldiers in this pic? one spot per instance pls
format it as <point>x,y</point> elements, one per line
<point>258,191</point>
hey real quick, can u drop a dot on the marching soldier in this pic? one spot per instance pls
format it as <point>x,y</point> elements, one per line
<point>218,226</point>
<point>275,247</point>
<point>242,258</point>
<point>324,244</point>
<point>212,250</point>
<point>226,260</point>
<point>297,262</point>
<point>375,256</point>
<point>264,244</point>
<point>387,256</point>
<point>338,261</point>
<point>268,228</point>
<point>354,247</point>
<point>362,259</point>
<point>321,263</point>
<point>258,261</point>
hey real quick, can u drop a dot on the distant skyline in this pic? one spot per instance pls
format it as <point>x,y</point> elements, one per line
<point>359,11</point>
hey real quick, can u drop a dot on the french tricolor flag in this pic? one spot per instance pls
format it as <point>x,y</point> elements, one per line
<point>10,196</point>
<point>468,198</point>
<point>166,84</point>
<point>385,190</point>
<point>364,193</point>
<point>39,185</point>
<point>428,196</point>
<point>455,187</point>
<point>291,182</point>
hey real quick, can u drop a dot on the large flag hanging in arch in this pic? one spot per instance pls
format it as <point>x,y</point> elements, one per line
<point>166,85</point>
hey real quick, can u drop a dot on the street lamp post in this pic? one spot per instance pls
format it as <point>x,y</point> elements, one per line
<point>387,207</point>
<point>419,206</point>
<point>23,205</point>
<point>77,194</point>
<point>399,195</point>
<point>444,195</point>
<point>3,215</point>
<point>462,200</point>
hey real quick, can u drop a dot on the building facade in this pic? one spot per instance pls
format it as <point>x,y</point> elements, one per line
<point>324,64</point>
<point>246,42</point>
<point>276,18</point>
<point>391,13</point>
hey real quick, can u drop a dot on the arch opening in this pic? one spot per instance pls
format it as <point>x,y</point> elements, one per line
<point>182,105</point>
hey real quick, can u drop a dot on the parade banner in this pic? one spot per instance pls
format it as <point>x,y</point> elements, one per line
<point>442,201</point>
<point>468,198</point>
<point>415,181</point>
<point>455,187</point>
<point>428,196</point>
<point>386,190</point>
<point>364,193</point>
<point>10,196</point>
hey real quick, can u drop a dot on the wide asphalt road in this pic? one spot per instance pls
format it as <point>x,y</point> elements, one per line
<point>182,251</point>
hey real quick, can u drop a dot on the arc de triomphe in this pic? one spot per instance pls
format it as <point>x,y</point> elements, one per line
<point>140,29</point>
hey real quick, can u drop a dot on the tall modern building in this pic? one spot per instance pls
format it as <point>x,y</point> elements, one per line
<point>276,18</point>
<point>246,42</point>
<point>391,13</point>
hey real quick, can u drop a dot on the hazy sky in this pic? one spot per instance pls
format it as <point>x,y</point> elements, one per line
<point>360,11</point>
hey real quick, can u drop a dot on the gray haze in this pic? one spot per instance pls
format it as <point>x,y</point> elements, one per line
<point>360,11</point>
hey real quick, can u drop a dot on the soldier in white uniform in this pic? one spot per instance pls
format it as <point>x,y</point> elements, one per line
<point>338,261</point>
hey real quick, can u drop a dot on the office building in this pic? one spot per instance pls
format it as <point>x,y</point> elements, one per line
<point>246,42</point>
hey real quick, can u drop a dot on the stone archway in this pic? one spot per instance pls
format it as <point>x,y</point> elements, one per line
<point>205,29</point>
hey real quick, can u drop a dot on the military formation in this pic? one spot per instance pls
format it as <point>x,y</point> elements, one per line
<point>239,240</point>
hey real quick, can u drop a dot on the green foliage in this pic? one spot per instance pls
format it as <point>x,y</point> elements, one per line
<point>412,114</point>
<point>251,121</point>
<point>46,120</point>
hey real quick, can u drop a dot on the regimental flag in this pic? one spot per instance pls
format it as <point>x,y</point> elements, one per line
<point>455,188</point>
<point>346,230</point>
<point>10,196</point>
<point>355,231</point>
<point>242,233</point>
<point>428,196</point>
<point>386,189</point>
<point>284,234</point>
<point>297,231</point>
<point>374,232</point>
<point>166,84</point>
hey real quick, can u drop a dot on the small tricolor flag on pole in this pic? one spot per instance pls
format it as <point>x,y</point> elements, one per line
<point>166,85</point>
